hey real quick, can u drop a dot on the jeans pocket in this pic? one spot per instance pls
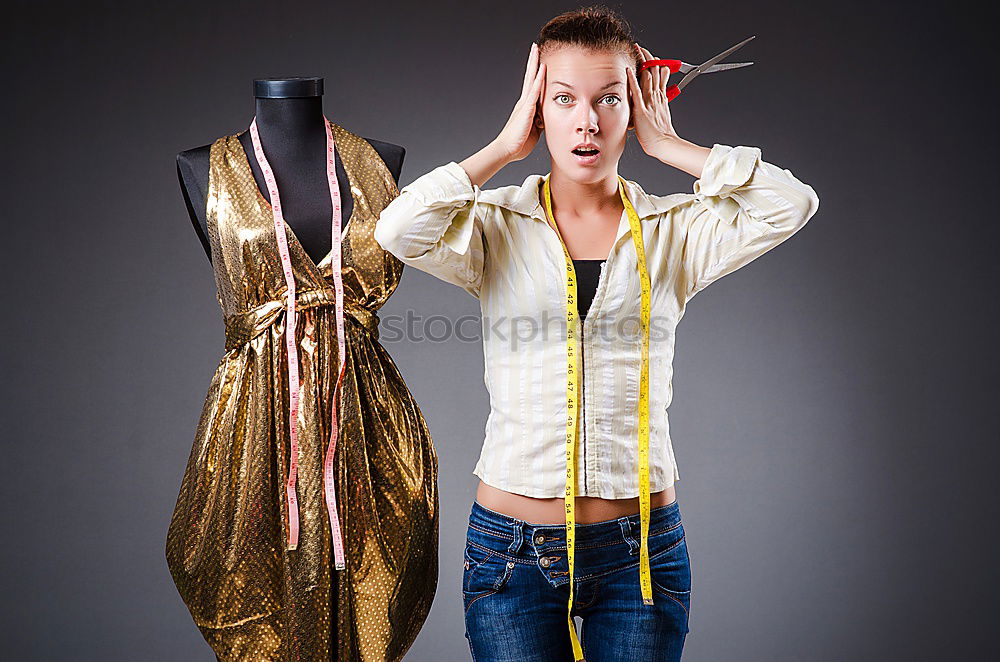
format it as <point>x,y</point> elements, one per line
<point>486,573</point>
<point>670,568</point>
<point>474,558</point>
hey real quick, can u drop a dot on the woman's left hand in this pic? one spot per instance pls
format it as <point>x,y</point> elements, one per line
<point>650,109</point>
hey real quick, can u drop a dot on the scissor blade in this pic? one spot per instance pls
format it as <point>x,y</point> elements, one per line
<point>701,68</point>
<point>685,67</point>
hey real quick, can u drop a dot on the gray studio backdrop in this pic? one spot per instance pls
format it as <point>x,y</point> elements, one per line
<point>831,399</point>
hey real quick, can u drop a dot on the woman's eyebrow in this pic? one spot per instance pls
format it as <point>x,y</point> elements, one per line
<point>611,84</point>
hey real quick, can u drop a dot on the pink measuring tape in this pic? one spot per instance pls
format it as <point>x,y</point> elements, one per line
<point>293,356</point>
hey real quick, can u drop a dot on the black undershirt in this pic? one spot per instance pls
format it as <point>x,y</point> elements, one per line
<point>588,272</point>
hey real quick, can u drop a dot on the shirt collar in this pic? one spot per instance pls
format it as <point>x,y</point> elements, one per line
<point>525,200</point>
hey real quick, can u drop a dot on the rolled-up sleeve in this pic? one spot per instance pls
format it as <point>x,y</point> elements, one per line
<point>742,208</point>
<point>435,224</point>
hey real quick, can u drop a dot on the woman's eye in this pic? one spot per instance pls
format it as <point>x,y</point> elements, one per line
<point>613,97</point>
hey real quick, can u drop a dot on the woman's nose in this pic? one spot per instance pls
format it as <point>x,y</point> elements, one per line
<point>587,122</point>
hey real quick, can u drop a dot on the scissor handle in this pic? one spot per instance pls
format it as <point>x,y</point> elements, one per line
<point>672,92</point>
<point>675,65</point>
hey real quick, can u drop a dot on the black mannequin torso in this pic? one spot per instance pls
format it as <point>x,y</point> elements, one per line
<point>294,141</point>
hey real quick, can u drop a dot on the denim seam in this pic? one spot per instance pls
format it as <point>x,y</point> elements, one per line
<point>497,585</point>
<point>478,597</point>
<point>597,590</point>
<point>472,650</point>
<point>501,554</point>
<point>616,542</point>
<point>501,515</point>
<point>630,565</point>
<point>543,526</point>
<point>474,566</point>
<point>562,547</point>
<point>666,593</point>
<point>502,579</point>
<point>491,532</point>
<point>670,590</point>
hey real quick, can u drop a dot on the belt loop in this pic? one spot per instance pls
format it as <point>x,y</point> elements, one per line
<point>518,526</point>
<point>633,546</point>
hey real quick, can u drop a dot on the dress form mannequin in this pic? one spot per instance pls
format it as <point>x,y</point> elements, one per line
<point>289,115</point>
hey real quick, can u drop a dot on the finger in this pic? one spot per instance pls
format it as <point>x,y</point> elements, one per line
<point>530,69</point>
<point>642,56</point>
<point>664,78</point>
<point>633,85</point>
<point>647,77</point>
<point>535,91</point>
<point>655,85</point>
<point>643,53</point>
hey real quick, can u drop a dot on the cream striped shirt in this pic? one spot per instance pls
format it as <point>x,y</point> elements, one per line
<point>497,245</point>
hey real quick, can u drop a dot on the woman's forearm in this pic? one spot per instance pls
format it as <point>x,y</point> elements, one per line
<point>485,163</point>
<point>682,154</point>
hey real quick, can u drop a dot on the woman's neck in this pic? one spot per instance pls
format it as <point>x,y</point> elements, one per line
<point>583,199</point>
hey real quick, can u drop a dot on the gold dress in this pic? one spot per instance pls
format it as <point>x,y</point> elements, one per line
<point>252,598</point>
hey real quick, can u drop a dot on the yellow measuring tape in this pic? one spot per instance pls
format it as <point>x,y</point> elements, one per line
<point>572,381</point>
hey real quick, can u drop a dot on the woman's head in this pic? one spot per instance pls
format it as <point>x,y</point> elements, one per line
<point>584,98</point>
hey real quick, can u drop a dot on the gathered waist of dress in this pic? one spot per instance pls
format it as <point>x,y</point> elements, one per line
<point>245,326</point>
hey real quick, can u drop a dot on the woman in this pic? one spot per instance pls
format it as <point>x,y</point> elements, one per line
<point>512,248</point>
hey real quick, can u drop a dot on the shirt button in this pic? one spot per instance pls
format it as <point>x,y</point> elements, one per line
<point>545,562</point>
<point>539,539</point>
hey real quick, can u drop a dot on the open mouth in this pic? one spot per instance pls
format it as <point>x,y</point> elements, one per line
<point>586,151</point>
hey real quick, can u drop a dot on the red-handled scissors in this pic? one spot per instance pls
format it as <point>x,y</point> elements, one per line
<point>692,71</point>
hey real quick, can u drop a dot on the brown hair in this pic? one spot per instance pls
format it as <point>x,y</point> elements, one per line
<point>596,28</point>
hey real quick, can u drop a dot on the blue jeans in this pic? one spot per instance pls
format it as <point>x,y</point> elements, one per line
<point>516,589</point>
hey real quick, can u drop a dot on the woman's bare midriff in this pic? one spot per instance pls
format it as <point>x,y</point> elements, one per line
<point>553,512</point>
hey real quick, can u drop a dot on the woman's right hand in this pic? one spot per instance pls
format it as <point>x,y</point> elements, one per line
<point>520,135</point>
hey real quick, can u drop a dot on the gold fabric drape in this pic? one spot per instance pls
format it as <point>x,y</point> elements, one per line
<point>251,598</point>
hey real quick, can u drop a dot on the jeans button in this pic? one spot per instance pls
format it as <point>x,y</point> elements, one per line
<point>539,539</point>
<point>545,562</point>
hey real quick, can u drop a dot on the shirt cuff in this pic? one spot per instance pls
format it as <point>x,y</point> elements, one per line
<point>726,169</point>
<point>445,184</point>
<point>449,187</point>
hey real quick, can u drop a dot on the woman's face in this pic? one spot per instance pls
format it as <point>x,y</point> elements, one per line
<point>585,100</point>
